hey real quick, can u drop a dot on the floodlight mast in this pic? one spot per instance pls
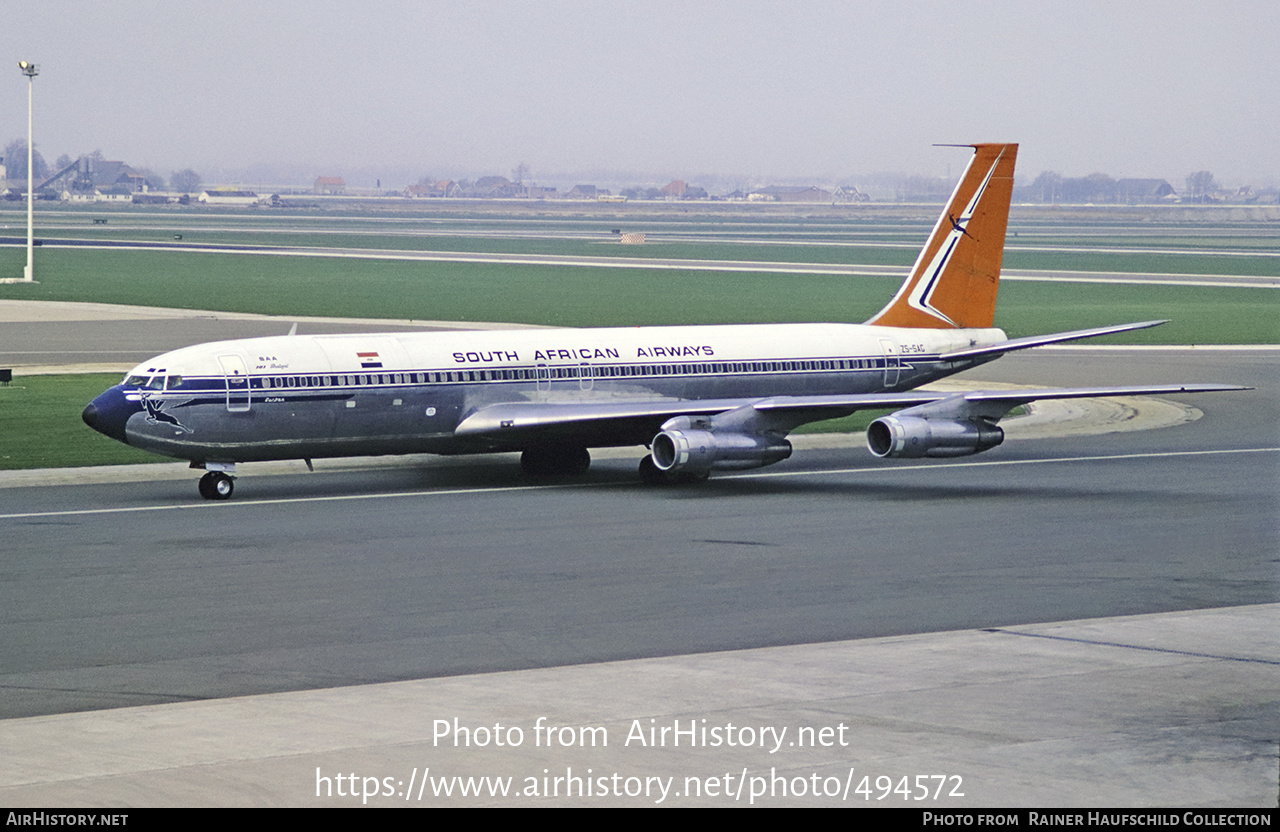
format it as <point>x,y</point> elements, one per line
<point>31,71</point>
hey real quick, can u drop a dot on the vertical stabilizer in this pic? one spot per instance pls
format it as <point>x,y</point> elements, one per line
<point>954,281</point>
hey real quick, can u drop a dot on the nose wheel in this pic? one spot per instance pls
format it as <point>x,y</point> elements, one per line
<point>216,485</point>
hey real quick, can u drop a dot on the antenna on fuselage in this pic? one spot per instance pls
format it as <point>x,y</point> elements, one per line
<point>293,330</point>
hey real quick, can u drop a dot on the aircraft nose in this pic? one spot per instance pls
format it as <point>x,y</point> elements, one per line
<point>108,414</point>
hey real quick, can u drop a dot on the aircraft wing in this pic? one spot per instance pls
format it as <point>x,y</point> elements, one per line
<point>635,422</point>
<point>501,417</point>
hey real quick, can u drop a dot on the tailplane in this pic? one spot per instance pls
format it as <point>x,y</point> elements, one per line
<point>955,279</point>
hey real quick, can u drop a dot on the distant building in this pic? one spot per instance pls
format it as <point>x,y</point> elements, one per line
<point>849,193</point>
<point>115,193</point>
<point>791,193</point>
<point>229,198</point>
<point>89,179</point>
<point>1139,191</point>
<point>329,186</point>
<point>441,188</point>
<point>584,192</point>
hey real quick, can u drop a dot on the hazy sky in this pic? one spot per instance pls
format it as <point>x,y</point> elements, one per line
<point>782,90</point>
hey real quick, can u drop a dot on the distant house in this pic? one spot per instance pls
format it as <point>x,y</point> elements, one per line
<point>849,193</point>
<point>115,193</point>
<point>229,198</point>
<point>791,193</point>
<point>583,192</point>
<point>329,185</point>
<point>434,190</point>
<point>1139,191</point>
<point>495,187</point>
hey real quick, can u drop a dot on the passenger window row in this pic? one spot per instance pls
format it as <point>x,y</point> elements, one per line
<point>543,373</point>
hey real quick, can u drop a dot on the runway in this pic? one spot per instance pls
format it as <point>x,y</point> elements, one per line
<point>141,594</point>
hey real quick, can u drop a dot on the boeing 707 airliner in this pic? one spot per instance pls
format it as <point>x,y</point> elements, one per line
<point>701,398</point>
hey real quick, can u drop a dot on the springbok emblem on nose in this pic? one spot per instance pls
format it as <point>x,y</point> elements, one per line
<point>156,414</point>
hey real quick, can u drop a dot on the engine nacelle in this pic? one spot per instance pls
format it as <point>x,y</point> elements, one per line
<point>912,437</point>
<point>698,451</point>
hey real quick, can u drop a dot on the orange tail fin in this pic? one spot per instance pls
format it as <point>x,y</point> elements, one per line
<point>955,279</point>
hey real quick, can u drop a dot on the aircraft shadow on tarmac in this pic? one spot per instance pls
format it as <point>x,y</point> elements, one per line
<point>869,485</point>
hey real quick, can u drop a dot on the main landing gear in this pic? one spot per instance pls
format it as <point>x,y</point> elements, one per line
<point>216,485</point>
<point>555,461</point>
<point>651,474</point>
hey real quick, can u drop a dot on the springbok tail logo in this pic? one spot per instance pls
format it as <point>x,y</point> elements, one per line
<point>955,279</point>
<point>157,415</point>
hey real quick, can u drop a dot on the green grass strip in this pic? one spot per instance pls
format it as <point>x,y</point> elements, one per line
<point>40,425</point>
<point>589,296</point>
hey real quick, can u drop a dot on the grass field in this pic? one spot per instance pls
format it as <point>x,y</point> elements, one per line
<point>40,425</point>
<point>587,296</point>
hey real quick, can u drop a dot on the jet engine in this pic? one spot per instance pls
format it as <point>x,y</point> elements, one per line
<point>687,446</point>
<point>912,437</point>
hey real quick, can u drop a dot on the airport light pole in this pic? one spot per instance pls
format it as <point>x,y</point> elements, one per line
<point>31,71</point>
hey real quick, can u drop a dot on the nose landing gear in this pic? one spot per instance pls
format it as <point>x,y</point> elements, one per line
<point>216,485</point>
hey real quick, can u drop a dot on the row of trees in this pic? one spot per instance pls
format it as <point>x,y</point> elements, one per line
<point>1051,186</point>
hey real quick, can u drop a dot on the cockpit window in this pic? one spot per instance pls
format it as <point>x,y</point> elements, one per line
<point>159,381</point>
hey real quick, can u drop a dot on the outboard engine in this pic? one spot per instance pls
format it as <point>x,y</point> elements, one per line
<point>912,437</point>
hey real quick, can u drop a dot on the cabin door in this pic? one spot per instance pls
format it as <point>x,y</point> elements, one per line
<point>543,374</point>
<point>237,378</point>
<point>892,362</point>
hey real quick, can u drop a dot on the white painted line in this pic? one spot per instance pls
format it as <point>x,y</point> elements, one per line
<point>1005,462</point>
<point>1161,347</point>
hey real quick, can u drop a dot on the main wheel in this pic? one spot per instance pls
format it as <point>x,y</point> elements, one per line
<point>651,474</point>
<point>216,485</point>
<point>555,461</point>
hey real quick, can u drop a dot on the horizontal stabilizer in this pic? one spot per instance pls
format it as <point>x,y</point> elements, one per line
<point>1012,397</point>
<point>1014,344</point>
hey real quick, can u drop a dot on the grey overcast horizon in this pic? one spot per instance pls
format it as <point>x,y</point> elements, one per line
<point>648,91</point>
